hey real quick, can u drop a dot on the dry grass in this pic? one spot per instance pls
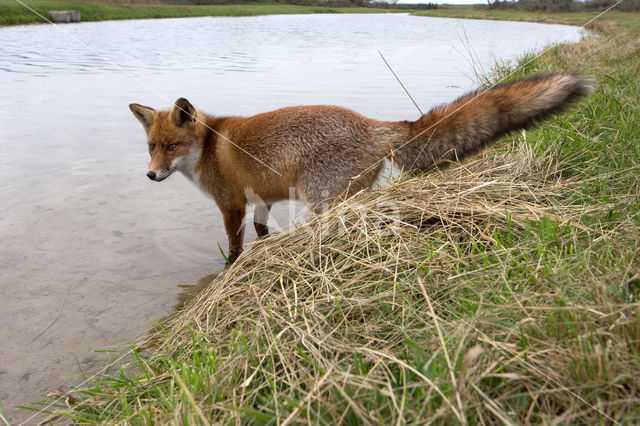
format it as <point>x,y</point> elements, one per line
<point>360,313</point>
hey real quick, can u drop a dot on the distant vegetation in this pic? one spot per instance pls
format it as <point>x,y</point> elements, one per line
<point>561,5</point>
<point>13,13</point>
<point>568,18</point>
<point>382,4</point>
<point>527,5</point>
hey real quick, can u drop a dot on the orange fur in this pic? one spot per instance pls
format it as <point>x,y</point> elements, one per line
<point>325,151</point>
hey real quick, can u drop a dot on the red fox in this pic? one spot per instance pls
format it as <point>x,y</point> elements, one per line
<point>319,150</point>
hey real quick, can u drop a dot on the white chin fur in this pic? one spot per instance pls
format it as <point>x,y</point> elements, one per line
<point>187,163</point>
<point>187,166</point>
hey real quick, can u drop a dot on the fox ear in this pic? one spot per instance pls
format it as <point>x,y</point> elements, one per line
<point>145,115</point>
<point>183,113</point>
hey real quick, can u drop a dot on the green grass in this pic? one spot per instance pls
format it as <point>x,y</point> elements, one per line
<point>4,418</point>
<point>508,294</point>
<point>626,19</point>
<point>13,13</point>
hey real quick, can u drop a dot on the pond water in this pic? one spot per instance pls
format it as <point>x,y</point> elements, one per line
<point>92,251</point>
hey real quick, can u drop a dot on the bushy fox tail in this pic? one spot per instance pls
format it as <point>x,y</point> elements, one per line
<point>454,131</point>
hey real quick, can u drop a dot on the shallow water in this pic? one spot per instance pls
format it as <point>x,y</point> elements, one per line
<point>92,251</point>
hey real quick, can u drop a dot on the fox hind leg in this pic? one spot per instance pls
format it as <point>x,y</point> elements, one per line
<point>260,218</point>
<point>319,192</point>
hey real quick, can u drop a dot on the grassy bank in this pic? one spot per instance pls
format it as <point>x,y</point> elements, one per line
<point>507,292</point>
<point>625,19</point>
<point>13,13</point>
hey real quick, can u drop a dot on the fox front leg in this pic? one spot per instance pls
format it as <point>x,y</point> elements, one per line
<point>260,218</point>
<point>233,224</point>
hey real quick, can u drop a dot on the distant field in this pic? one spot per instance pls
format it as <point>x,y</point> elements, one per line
<point>13,13</point>
<point>627,19</point>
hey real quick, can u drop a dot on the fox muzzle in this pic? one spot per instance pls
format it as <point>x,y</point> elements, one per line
<point>159,176</point>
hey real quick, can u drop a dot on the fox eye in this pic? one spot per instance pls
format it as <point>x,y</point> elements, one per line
<point>171,147</point>
<point>151,146</point>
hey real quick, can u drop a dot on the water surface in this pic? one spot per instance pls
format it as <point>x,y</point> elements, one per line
<point>92,251</point>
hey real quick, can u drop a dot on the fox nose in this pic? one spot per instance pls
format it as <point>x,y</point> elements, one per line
<point>151,175</point>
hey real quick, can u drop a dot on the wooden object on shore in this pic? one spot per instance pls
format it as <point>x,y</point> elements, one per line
<point>64,16</point>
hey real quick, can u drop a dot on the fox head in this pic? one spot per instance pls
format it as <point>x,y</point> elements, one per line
<point>174,138</point>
